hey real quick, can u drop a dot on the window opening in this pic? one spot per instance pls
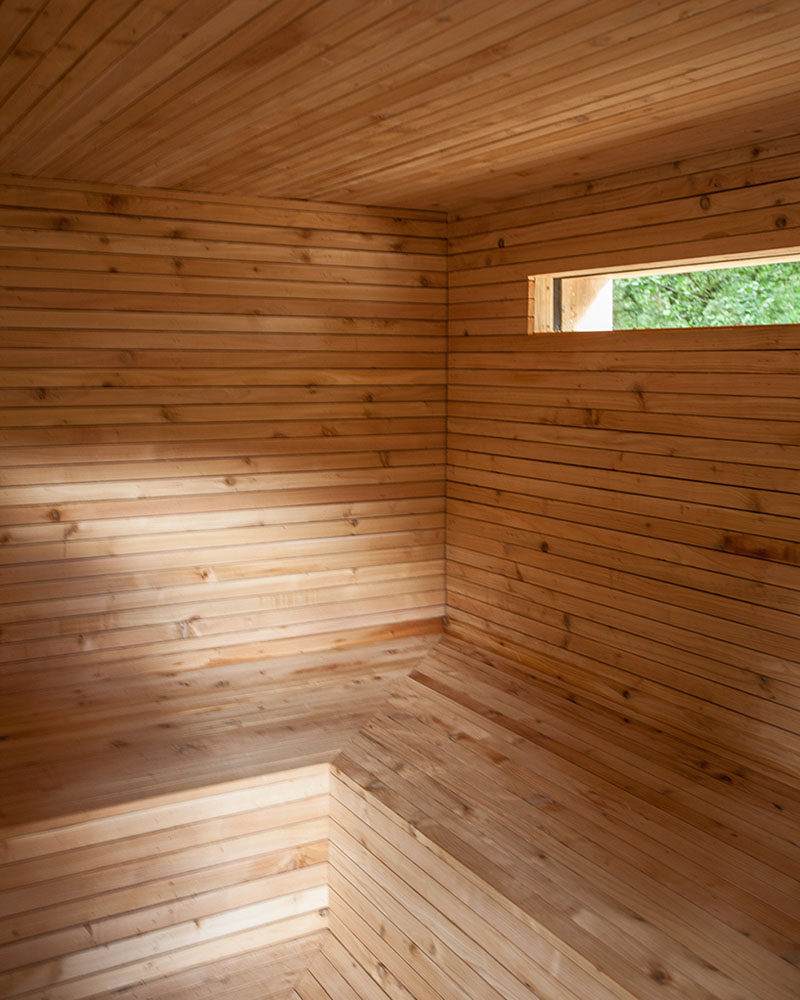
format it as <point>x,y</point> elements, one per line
<point>716,293</point>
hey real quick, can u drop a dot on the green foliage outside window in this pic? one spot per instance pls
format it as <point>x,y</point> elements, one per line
<point>737,296</point>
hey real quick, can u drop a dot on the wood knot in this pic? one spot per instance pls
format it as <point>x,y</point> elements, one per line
<point>186,628</point>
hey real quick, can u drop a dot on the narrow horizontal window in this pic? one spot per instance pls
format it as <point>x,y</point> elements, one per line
<point>680,296</point>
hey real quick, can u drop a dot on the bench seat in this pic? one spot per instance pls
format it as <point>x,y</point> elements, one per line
<point>494,835</point>
<point>481,833</point>
<point>76,743</point>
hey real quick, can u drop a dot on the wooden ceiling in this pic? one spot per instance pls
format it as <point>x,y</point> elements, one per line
<point>426,103</point>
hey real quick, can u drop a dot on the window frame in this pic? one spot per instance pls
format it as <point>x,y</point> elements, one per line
<point>549,297</point>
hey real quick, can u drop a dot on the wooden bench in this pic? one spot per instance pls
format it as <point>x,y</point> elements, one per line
<point>168,836</point>
<point>81,742</point>
<point>486,834</point>
<point>494,836</point>
<point>227,879</point>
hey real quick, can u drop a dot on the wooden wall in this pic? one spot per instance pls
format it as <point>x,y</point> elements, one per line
<point>140,896</point>
<point>222,429</point>
<point>627,504</point>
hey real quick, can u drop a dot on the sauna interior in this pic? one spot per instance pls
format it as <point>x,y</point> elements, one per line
<point>363,635</point>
